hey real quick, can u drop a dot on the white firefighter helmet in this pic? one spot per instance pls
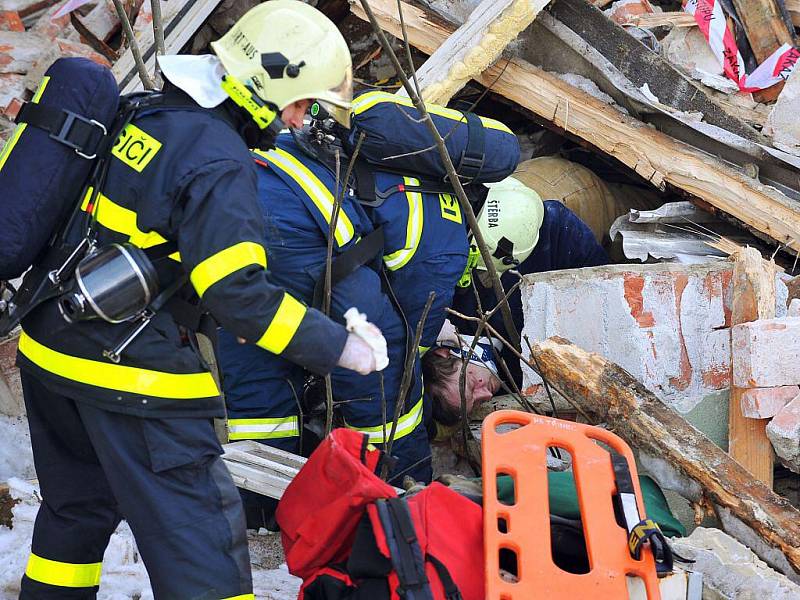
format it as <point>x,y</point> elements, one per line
<point>509,221</point>
<point>285,51</point>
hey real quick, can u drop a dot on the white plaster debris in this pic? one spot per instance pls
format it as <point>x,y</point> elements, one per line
<point>590,87</point>
<point>124,576</point>
<point>756,545</point>
<point>731,570</point>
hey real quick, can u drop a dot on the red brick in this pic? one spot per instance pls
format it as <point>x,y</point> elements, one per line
<point>12,92</point>
<point>10,21</point>
<point>624,13</point>
<point>763,403</point>
<point>52,27</point>
<point>766,353</point>
<point>19,50</point>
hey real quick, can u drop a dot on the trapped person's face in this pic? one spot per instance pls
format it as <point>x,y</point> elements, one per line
<point>480,386</point>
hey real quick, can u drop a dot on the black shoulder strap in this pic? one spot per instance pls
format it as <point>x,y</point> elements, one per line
<point>356,256</point>
<point>451,591</point>
<point>406,555</point>
<point>71,129</point>
<point>471,161</point>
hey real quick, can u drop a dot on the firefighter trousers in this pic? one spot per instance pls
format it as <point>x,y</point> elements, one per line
<point>164,476</point>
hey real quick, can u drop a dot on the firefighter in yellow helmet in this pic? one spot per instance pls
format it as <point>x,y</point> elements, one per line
<point>121,413</point>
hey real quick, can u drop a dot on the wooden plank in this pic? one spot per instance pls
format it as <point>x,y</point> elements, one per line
<point>654,155</point>
<point>182,18</point>
<point>609,394</point>
<point>766,31</point>
<point>793,6</point>
<point>764,26</point>
<point>263,469</point>
<point>753,298</point>
<point>474,46</point>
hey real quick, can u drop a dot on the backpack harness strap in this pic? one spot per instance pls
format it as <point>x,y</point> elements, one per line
<point>75,131</point>
<point>472,158</point>
<point>406,555</point>
<point>347,262</point>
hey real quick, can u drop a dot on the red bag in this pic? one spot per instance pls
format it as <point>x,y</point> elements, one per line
<point>322,506</point>
<point>349,536</point>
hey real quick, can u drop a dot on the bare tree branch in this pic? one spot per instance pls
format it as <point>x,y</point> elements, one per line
<point>158,34</point>
<point>137,54</point>
<point>405,383</point>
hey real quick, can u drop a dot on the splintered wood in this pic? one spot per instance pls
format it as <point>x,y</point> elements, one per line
<point>656,156</point>
<point>474,47</point>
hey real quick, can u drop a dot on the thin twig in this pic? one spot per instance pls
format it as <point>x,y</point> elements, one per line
<point>405,383</point>
<point>300,414</point>
<point>134,46</point>
<point>451,173</point>
<point>407,46</point>
<point>158,33</point>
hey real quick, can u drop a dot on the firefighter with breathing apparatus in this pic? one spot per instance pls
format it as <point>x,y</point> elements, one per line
<point>120,402</point>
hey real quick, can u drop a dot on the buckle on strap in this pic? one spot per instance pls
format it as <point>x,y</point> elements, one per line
<point>69,122</point>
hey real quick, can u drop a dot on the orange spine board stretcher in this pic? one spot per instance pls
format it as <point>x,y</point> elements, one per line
<point>521,453</point>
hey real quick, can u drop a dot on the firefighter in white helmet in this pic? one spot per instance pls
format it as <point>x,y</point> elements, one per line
<point>129,434</point>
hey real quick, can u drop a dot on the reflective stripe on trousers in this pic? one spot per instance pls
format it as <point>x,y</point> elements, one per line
<point>263,429</point>
<point>406,424</point>
<point>62,574</point>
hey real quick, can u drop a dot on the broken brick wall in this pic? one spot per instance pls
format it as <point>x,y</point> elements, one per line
<point>667,324</point>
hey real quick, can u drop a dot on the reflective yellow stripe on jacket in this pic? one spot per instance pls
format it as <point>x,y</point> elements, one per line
<point>416,215</point>
<point>241,597</point>
<point>263,429</point>
<point>15,135</point>
<point>62,574</point>
<point>405,425</point>
<point>314,189</point>
<point>370,99</point>
<point>284,324</point>
<point>177,386</point>
<point>218,266</point>
<point>123,220</point>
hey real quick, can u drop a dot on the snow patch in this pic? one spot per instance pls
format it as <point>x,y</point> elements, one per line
<point>16,458</point>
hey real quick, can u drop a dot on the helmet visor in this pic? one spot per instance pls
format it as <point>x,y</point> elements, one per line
<point>338,100</point>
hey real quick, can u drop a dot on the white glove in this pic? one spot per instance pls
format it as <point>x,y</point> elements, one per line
<point>365,350</point>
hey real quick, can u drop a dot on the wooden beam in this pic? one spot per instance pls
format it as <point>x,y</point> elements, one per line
<point>611,395</point>
<point>657,157</point>
<point>753,298</point>
<point>474,46</point>
<point>793,6</point>
<point>766,31</point>
<point>764,26</point>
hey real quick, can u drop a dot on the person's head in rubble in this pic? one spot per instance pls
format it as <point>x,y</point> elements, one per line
<point>441,371</point>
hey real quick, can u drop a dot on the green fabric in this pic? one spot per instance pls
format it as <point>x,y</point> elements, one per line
<point>564,500</point>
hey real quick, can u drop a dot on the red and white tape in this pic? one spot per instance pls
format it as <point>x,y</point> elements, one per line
<point>711,20</point>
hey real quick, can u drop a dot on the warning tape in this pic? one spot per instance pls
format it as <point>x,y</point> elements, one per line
<point>711,20</point>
